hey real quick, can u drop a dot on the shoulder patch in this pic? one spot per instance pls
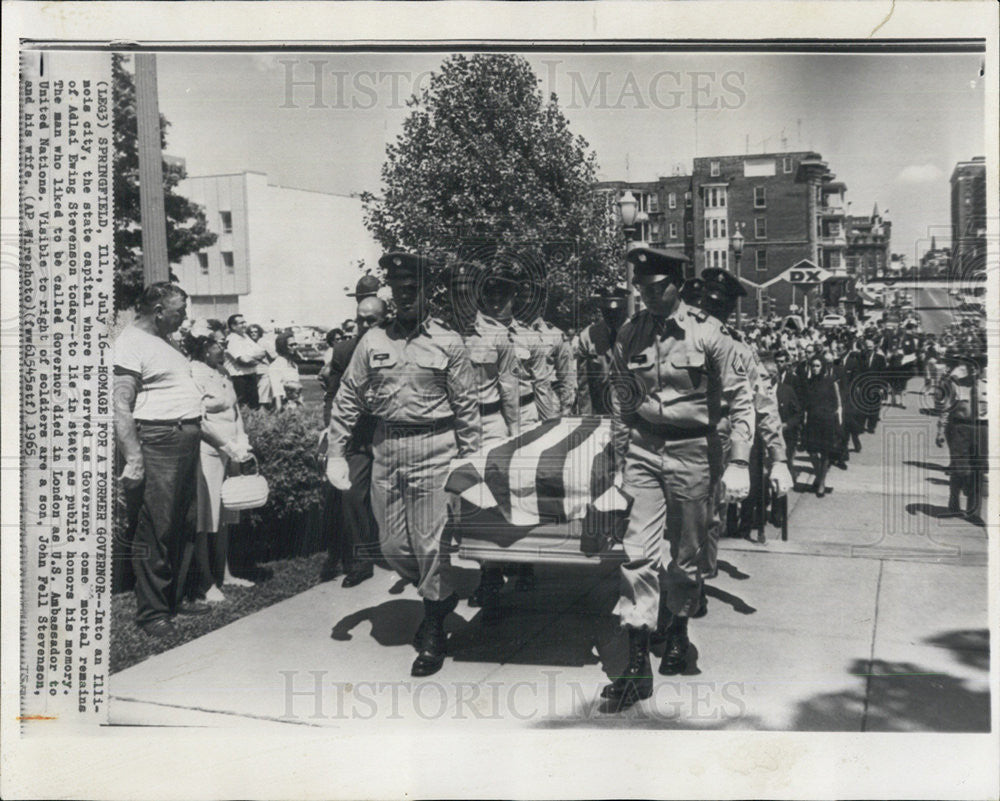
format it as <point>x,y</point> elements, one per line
<point>700,315</point>
<point>739,365</point>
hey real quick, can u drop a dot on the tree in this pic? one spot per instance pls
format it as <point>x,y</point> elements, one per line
<point>187,228</point>
<point>487,168</point>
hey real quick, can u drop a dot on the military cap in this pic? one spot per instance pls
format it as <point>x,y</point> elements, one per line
<point>721,284</point>
<point>691,291</point>
<point>461,271</point>
<point>367,287</point>
<point>399,264</point>
<point>615,298</point>
<point>652,265</point>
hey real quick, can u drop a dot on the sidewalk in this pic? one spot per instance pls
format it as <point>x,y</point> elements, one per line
<point>872,617</point>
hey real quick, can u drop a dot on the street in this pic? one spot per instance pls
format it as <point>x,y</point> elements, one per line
<point>871,617</point>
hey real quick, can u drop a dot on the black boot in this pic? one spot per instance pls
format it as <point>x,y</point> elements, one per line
<point>974,500</point>
<point>636,681</point>
<point>490,582</point>
<point>675,655</point>
<point>663,618</point>
<point>954,492</point>
<point>433,641</point>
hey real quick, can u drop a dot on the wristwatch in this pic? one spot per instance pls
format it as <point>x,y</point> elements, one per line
<point>740,462</point>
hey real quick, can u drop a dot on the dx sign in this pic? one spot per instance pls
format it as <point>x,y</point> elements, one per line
<point>805,276</point>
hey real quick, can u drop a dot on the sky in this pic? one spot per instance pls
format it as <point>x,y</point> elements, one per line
<point>892,127</point>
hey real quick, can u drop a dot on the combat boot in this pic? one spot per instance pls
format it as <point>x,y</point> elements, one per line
<point>636,681</point>
<point>954,494</point>
<point>675,654</point>
<point>663,618</point>
<point>433,640</point>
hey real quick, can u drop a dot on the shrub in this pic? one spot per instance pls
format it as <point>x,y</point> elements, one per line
<point>285,446</point>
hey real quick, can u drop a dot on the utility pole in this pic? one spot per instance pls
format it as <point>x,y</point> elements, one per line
<point>155,266</point>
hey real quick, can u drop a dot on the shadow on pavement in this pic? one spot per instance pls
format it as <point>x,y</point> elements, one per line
<point>737,603</point>
<point>927,465</point>
<point>393,622</point>
<point>731,570</point>
<point>931,510</point>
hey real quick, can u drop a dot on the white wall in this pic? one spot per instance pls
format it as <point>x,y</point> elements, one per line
<point>304,250</point>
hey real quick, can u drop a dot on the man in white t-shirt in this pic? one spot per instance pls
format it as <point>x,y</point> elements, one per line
<point>243,355</point>
<point>157,408</point>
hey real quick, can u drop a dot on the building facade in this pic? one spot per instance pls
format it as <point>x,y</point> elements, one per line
<point>788,206</point>
<point>282,254</point>
<point>968,218</point>
<point>868,254</point>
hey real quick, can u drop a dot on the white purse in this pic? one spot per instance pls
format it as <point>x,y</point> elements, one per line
<point>244,492</point>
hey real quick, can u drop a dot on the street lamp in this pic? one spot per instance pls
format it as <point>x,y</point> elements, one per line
<point>737,243</point>
<point>627,207</point>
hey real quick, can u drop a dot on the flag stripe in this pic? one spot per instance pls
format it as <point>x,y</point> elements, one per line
<point>550,487</point>
<point>497,471</point>
<point>576,470</point>
<point>525,467</point>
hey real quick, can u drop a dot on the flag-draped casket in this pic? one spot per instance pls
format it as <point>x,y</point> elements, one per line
<point>546,495</point>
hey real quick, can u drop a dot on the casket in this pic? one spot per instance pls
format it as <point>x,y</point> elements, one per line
<point>548,495</point>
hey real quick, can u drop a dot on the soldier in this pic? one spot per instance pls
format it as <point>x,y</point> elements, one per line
<point>963,425</point>
<point>769,455</point>
<point>594,352</point>
<point>494,366</point>
<point>559,355</point>
<point>672,369</point>
<point>415,376</point>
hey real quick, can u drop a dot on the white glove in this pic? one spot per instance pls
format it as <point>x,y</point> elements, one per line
<point>737,482</point>
<point>235,451</point>
<point>781,479</point>
<point>338,473</point>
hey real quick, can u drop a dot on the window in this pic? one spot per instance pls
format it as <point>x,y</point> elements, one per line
<point>688,228</point>
<point>227,221</point>
<point>227,260</point>
<point>722,198</point>
<point>715,229</point>
<point>687,199</point>
<point>655,228</point>
<point>761,260</point>
<point>654,202</point>
<point>713,169</point>
<point>673,230</point>
<point>725,260</point>
<point>203,263</point>
<point>759,197</point>
<point>760,228</point>
<point>708,229</point>
<point>786,164</point>
<point>672,200</point>
<point>722,227</point>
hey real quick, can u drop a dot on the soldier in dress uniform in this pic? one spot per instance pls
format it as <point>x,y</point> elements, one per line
<point>559,355</point>
<point>593,353</point>
<point>494,365</point>
<point>673,368</point>
<point>720,294</point>
<point>414,374</point>
<point>963,425</point>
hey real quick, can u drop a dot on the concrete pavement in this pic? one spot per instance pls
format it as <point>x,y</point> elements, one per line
<point>872,617</point>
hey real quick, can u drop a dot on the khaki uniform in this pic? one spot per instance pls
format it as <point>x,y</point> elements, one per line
<point>533,373</point>
<point>965,416</point>
<point>563,363</point>
<point>671,378</point>
<point>494,367</point>
<point>422,389</point>
<point>593,358</point>
<point>767,434</point>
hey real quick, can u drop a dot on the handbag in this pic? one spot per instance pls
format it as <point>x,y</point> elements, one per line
<point>244,492</point>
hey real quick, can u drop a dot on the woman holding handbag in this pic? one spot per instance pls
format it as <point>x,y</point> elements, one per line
<point>224,449</point>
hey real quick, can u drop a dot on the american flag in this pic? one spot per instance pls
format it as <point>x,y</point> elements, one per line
<point>558,471</point>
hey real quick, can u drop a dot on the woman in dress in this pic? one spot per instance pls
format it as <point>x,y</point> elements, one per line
<point>256,333</point>
<point>224,448</point>
<point>824,417</point>
<point>284,374</point>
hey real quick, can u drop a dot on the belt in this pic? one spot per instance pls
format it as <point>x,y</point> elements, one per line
<point>187,421</point>
<point>670,433</point>
<point>407,429</point>
<point>486,409</point>
<point>526,399</point>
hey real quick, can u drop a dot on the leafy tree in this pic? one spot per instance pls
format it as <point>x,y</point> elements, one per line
<point>486,167</point>
<point>187,228</point>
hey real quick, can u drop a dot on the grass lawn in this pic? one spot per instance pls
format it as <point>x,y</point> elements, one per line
<point>282,579</point>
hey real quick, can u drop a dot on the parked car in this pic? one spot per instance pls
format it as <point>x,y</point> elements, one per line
<point>310,347</point>
<point>833,321</point>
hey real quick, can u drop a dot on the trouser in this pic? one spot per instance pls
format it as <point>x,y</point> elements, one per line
<point>968,445</point>
<point>163,540</point>
<point>527,415</point>
<point>409,473</point>
<point>870,420</point>
<point>349,516</point>
<point>673,486</point>
<point>720,509</point>
<point>245,387</point>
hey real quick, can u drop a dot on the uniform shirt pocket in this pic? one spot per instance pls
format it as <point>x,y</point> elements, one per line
<point>689,365</point>
<point>485,361</point>
<point>382,363</point>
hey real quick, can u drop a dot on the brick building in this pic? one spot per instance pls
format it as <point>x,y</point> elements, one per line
<point>789,207</point>
<point>868,255</point>
<point>968,217</point>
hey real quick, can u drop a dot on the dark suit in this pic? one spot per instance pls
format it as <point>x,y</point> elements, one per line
<point>348,514</point>
<point>867,385</point>
<point>790,411</point>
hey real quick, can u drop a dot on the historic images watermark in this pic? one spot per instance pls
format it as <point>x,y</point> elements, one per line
<point>319,83</point>
<point>313,695</point>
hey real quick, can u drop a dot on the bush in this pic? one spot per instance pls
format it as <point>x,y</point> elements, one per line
<point>285,446</point>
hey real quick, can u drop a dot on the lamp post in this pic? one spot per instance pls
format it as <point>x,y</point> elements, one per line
<point>737,243</point>
<point>627,207</point>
